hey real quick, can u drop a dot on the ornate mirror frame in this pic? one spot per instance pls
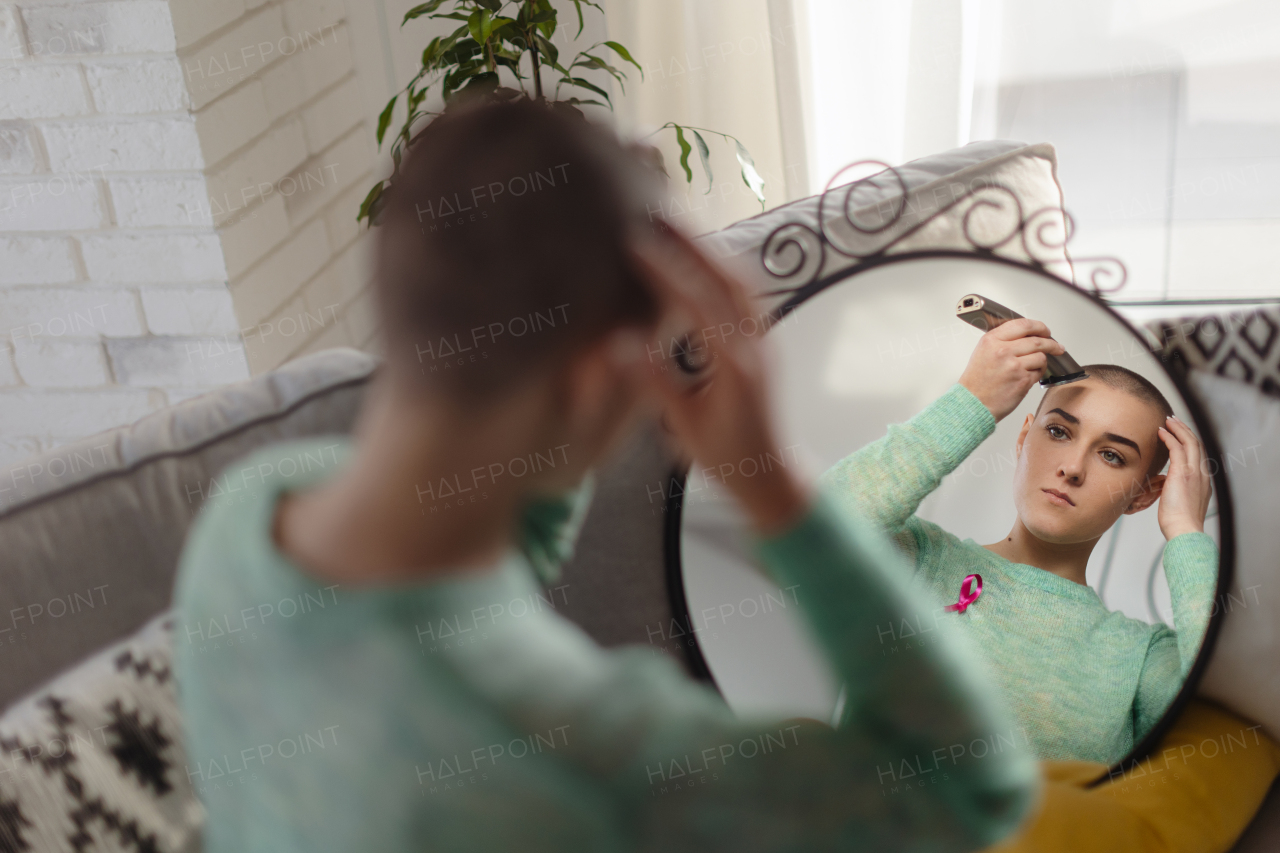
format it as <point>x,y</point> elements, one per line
<point>801,257</point>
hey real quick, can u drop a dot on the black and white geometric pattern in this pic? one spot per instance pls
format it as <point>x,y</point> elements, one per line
<point>1242,345</point>
<point>94,761</point>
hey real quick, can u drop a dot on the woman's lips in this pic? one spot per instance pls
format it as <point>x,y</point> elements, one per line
<point>1058,497</point>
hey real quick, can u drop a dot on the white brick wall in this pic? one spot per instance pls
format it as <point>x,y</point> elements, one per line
<point>36,260</point>
<point>178,187</point>
<point>132,26</point>
<point>36,92</point>
<point>12,44</point>
<point>37,312</point>
<point>51,203</point>
<point>137,86</point>
<point>8,370</point>
<point>277,108</point>
<point>18,152</point>
<point>150,201</point>
<point>45,412</point>
<point>60,362</point>
<point>184,311</point>
<point>130,145</point>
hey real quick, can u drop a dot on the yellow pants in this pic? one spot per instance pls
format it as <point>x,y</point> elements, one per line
<point>1196,794</point>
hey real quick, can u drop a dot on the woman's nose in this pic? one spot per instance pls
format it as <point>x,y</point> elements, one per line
<point>1072,468</point>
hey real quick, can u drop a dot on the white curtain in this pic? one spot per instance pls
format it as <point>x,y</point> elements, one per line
<point>726,65</point>
<point>808,85</point>
<point>1165,115</point>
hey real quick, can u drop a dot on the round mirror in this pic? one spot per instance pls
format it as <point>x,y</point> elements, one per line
<point>1092,653</point>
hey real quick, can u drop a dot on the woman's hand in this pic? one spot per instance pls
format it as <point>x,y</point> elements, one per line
<point>1007,361</point>
<point>1184,496</point>
<point>724,420</point>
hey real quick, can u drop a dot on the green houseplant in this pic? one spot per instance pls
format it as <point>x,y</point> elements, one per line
<point>498,51</point>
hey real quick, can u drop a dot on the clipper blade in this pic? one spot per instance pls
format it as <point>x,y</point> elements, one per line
<point>1052,381</point>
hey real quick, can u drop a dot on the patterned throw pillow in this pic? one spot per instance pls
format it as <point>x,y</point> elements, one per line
<point>94,760</point>
<point>1240,345</point>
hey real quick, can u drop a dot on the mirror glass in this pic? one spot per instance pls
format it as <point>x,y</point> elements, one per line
<point>1077,663</point>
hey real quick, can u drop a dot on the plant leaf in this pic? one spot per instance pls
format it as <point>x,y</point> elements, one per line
<point>625,54</point>
<point>588,85</point>
<point>586,60</point>
<point>548,26</point>
<point>491,5</point>
<point>369,200</point>
<point>384,120</point>
<point>577,4</point>
<point>461,52</point>
<point>705,153</point>
<point>750,176</point>
<point>455,78</point>
<point>548,48</point>
<point>551,54</point>
<point>420,10</point>
<point>480,23</point>
<point>430,52</point>
<point>685,150</point>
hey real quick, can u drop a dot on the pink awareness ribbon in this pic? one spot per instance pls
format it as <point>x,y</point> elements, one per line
<point>974,585</point>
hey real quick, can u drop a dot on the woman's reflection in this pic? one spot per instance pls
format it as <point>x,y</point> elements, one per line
<point>1085,682</point>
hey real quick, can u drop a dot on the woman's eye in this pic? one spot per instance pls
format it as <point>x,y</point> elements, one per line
<point>1112,457</point>
<point>1057,432</point>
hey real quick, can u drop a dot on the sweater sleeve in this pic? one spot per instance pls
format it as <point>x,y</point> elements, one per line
<point>909,766</point>
<point>885,481</point>
<point>1191,567</point>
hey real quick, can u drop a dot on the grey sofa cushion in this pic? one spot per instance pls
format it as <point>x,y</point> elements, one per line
<point>90,532</point>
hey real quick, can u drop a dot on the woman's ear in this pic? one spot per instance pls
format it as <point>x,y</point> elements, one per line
<point>1022,434</point>
<point>601,389</point>
<point>1149,494</point>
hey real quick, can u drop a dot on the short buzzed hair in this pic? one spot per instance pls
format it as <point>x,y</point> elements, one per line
<point>502,248</point>
<point>1135,385</point>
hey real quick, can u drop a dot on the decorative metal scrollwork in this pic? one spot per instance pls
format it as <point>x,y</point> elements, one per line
<point>859,223</point>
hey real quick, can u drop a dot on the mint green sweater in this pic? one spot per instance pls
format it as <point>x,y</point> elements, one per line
<point>466,714</point>
<point>1085,682</point>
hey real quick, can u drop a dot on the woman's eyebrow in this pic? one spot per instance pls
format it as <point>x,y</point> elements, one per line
<point>1110,436</point>
<point>1120,439</point>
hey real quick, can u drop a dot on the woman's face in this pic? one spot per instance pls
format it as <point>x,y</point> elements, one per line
<point>1083,461</point>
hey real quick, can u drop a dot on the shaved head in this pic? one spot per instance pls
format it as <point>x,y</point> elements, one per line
<point>1135,385</point>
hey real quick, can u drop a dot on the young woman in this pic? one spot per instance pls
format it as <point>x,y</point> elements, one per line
<point>1085,682</point>
<point>438,705</point>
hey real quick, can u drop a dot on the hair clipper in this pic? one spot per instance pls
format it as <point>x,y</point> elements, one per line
<point>985,314</point>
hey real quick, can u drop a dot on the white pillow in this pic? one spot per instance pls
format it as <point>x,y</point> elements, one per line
<point>941,189</point>
<point>1244,673</point>
<point>95,761</point>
